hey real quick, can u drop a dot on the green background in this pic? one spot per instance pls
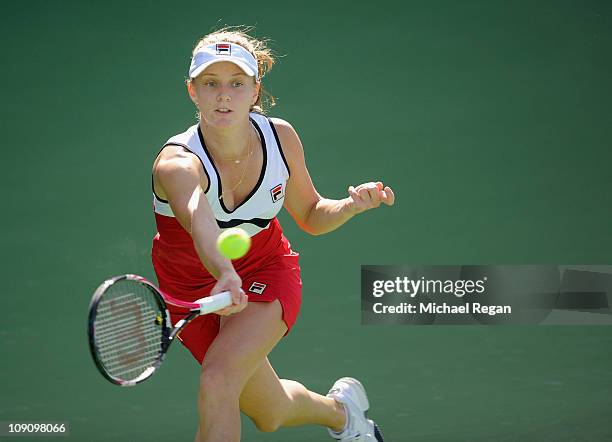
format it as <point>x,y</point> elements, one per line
<point>491,120</point>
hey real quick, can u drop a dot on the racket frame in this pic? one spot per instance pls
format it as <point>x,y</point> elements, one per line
<point>202,306</point>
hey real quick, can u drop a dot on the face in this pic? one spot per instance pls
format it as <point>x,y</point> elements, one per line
<point>223,94</point>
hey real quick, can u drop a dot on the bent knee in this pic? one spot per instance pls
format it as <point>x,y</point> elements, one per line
<point>267,424</point>
<point>216,381</point>
<point>212,378</point>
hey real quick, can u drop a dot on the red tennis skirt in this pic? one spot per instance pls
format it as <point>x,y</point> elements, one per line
<point>269,271</point>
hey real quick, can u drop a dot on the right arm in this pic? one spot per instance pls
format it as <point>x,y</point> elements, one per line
<point>179,178</point>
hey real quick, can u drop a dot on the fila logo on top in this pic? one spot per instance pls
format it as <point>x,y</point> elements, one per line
<point>257,287</point>
<point>224,49</point>
<point>277,192</point>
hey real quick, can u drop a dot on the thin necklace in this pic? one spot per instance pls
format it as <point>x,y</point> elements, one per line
<point>246,166</point>
<point>235,160</point>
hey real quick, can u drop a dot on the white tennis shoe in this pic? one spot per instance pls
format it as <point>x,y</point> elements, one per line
<point>358,428</point>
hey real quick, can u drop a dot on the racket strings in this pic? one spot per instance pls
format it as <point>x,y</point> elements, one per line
<point>127,337</point>
<point>134,346</point>
<point>124,334</point>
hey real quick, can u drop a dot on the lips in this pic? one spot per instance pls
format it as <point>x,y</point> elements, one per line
<point>224,111</point>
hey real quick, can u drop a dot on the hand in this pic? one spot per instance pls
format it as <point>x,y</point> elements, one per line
<point>369,196</point>
<point>231,282</point>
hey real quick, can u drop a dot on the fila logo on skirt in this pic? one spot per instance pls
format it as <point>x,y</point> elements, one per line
<point>277,192</point>
<point>257,287</point>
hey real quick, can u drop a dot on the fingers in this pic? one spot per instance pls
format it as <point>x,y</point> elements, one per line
<point>237,295</point>
<point>236,306</point>
<point>238,298</point>
<point>370,195</point>
<point>231,282</point>
<point>240,303</point>
<point>388,197</point>
<point>358,203</point>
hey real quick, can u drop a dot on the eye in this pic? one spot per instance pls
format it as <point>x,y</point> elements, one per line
<point>237,83</point>
<point>209,83</point>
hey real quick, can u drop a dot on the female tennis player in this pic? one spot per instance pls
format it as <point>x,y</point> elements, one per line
<point>238,167</point>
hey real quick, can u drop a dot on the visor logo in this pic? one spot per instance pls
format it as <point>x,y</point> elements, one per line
<point>224,49</point>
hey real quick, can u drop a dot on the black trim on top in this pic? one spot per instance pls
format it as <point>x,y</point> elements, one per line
<point>152,183</point>
<point>157,197</point>
<point>259,222</point>
<point>261,174</point>
<point>280,147</point>
<point>184,146</point>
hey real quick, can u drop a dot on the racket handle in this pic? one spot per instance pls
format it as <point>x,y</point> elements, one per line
<point>213,303</point>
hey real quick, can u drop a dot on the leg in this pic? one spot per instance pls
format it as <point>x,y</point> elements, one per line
<point>243,342</point>
<point>272,402</point>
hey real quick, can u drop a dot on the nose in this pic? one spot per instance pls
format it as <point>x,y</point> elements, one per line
<point>224,95</point>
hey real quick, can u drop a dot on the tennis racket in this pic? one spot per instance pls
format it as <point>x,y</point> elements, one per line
<point>130,329</point>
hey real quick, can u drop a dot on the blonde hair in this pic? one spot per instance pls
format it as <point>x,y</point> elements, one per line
<point>257,47</point>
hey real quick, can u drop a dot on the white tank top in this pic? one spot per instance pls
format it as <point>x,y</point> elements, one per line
<point>267,197</point>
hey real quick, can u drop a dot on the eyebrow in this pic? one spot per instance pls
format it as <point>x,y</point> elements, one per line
<point>215,75</point>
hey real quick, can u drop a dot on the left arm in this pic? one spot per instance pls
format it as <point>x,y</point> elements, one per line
<point>313,213</point>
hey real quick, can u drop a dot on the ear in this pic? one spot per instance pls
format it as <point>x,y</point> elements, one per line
<point>191,91</point>
<point>256,94</point>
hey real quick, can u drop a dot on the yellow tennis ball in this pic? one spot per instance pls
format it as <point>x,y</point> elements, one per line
<point>233,243</point>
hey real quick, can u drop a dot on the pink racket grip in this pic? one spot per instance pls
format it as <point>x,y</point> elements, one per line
<point>213,303</point>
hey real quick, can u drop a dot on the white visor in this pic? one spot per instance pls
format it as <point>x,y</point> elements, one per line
<point>217,52</point>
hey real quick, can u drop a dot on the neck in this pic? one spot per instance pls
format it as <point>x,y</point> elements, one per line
<point>227,143</point>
